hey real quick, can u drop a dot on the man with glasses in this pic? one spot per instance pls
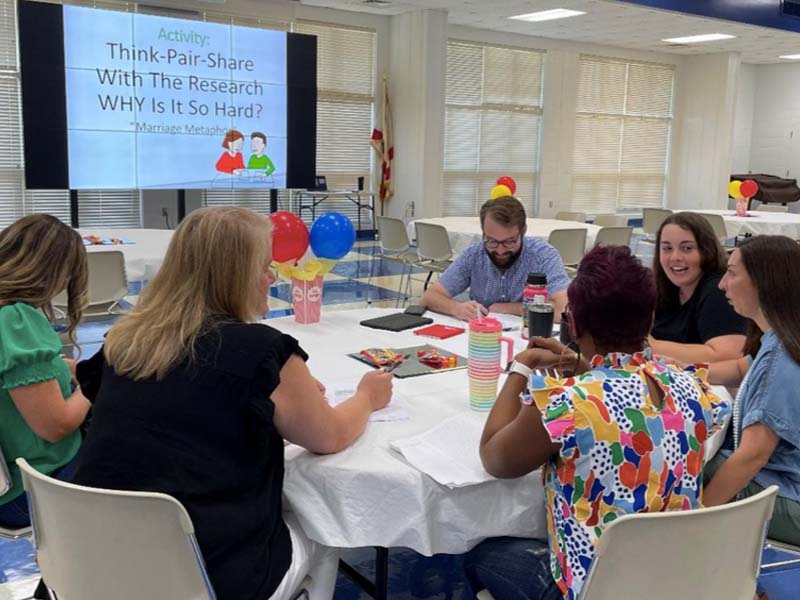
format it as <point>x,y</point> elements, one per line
<point>495,271</point>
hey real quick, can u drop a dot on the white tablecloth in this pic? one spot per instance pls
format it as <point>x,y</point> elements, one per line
<point>759,223</point>
<point>464,231</point>
<point>368,495</point>
<point>143,258</point>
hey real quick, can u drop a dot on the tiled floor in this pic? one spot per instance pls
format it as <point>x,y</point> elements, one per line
<point>411,575</point>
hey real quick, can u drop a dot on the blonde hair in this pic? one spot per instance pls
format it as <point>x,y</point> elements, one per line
<point>211,267</point>
<point>39,257</point>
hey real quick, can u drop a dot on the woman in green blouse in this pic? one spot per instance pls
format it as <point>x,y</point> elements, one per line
<point>39,413</point>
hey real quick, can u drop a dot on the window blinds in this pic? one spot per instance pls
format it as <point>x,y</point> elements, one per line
<point>622,135</point>
<point>345,106</point>
<point>492,122</point>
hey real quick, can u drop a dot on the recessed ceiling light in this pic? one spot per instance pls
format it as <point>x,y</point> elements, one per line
<point>548,15</point>
<point>790,56</point>
<point>696,39</point>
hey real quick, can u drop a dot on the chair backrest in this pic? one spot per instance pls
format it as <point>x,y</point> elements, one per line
<point>717,224</point>
<point>5,476</point>
<point>568,215</point>
<point>777,208</point>
<point>712,553</point>
<point>652,219</point>
<point>433,243</point>
<point>108,281</point>
<point>392,235</point>
<point>611,220</point>
<point>570,243</point>
<point>614,236</point>
<point>95,543</point>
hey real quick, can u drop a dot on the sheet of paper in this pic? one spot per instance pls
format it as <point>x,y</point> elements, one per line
<point>449,452</point>
<point>395,411</point>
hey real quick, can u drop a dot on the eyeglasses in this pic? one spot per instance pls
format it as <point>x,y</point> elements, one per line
<point>493,244</point>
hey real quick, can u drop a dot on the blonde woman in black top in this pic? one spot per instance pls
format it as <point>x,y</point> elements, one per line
<point>194,399</point>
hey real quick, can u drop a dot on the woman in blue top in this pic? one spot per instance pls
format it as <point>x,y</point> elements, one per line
<point>761,285</point>
<point>39,413</point>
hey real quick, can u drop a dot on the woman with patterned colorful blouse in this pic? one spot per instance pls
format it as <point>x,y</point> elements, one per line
<point>625,434</point>
<point>39,412</point>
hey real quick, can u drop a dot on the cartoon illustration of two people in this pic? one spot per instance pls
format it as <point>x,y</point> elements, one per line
<point>231,160</point>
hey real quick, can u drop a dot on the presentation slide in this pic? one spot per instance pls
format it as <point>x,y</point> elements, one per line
<point>157,102</point>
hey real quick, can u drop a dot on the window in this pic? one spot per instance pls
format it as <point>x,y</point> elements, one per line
<point>345,105</point>
<point>622,135</point>
<point>492,120</point>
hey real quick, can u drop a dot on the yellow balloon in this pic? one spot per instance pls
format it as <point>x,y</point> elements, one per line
<point>500,191</point>
<point>735,190</point>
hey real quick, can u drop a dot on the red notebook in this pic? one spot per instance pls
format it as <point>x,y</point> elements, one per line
<point>441,332</point>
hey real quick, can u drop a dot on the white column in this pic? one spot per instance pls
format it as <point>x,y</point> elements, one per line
<point>558,131</point>
<point>417,67</point>
<point>702,134</point>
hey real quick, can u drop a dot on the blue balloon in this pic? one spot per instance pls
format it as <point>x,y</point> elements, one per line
<point>332,236</point>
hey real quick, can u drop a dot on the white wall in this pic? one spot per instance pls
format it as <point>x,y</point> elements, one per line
<point>702,133</point>
<point>743,119</point>
<point>775,147</point>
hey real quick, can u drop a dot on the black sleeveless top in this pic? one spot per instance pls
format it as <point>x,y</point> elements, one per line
<point>205,435</point>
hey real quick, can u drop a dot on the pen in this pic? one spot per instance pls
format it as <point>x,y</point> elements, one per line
<point>396,364</point>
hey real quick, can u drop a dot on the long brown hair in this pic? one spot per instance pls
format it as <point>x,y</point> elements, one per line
<point>39,257</point>
<point>208,276</point>
<point>773,262</point>
<point>712,255</point>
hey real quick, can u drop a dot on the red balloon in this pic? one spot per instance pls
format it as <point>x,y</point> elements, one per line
<point>289,236</point>
<point>749,188</point>
<point>508,182</point>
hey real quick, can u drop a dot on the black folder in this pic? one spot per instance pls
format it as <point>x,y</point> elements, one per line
<point>397,322</point>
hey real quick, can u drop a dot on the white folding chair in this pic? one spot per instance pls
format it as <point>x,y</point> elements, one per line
<point>611,220</point>
<point>5,485</point>
<point>715,550</point>
<point>571,245</point>
<point>568,215</point>
<point>614,236</point>
<point>108,284</point>
<point>96,543</point>
<point>718,225</point>
<point>651,222</point>
<point>433,248</point>
<point>394,245</point>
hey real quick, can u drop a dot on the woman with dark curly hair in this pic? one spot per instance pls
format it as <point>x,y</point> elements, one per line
<point>624,435</point>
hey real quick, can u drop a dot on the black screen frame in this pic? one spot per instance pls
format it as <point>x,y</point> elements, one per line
<point>44,100</point>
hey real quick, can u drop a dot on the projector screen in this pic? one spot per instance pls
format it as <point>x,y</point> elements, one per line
<point>155,102</point>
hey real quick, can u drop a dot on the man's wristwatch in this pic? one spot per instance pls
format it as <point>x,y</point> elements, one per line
<point>521,369</point>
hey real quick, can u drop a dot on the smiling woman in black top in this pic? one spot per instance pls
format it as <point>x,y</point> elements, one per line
<point>693,322</point>
<point>194,399</point>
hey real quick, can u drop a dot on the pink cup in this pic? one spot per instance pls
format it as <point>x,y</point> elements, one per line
<point>307,298</point>
<point>483,363</point>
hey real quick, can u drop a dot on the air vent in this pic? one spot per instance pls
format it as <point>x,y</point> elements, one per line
<point>791,8</point>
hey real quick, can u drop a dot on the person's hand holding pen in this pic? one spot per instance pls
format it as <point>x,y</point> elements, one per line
<point>469,310</point>
<point>377,385</point>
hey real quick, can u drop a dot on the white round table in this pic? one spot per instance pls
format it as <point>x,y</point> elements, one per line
<point>143,258</point>
<point>758,223</point>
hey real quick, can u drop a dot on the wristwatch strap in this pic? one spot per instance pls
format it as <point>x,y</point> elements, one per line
<point>518,367</point>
